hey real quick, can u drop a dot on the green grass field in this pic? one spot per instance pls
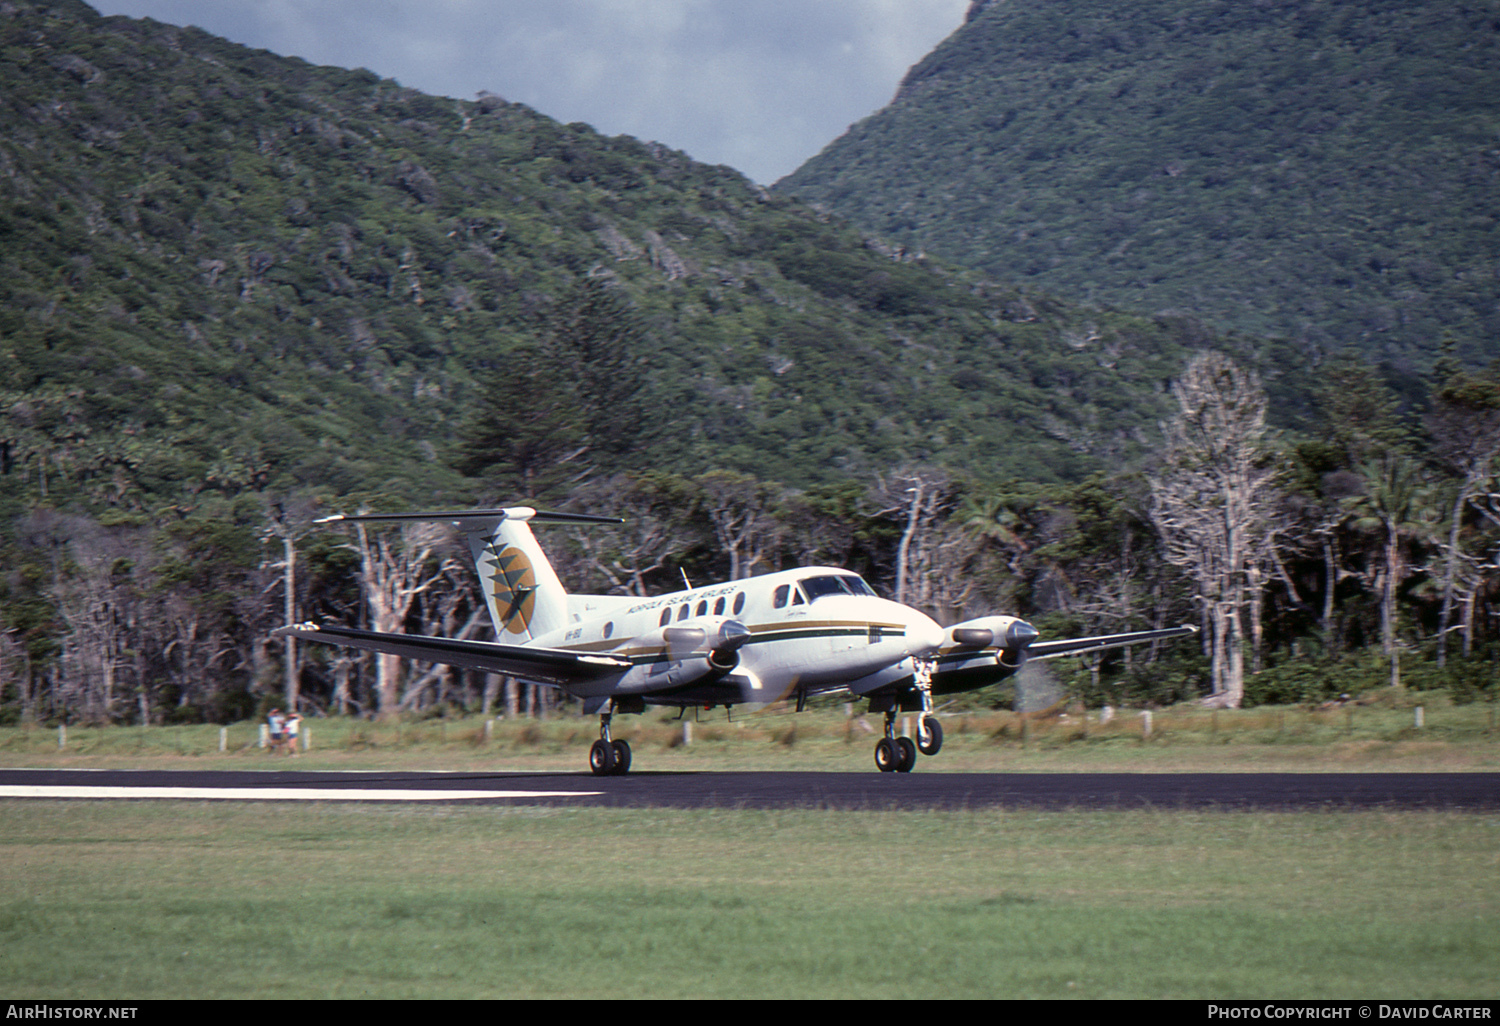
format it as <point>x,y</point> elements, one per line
<point>158,900</point>
<point>140,900</point>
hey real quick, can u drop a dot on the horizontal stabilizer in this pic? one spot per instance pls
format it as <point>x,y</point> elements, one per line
<point>525,514</point>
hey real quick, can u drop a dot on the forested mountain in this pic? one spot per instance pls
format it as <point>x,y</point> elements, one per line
<point>222,267</point>
<point>1322,169</point>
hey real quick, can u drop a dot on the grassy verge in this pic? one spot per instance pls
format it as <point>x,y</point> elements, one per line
<point>162,900</point>
<point>1380,735</point>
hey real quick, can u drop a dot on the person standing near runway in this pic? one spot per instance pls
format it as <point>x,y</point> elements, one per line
<point>290,732</point>
<point>276,725</point>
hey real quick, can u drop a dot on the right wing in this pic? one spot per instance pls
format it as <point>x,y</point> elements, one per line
<point>554,666</point>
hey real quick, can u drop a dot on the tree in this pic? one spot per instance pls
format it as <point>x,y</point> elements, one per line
<point>1100,541</point>
<point>594,339</point>
<point>212,591</point>
<point>1212,502</point>
<point>1396,506</point>
<point>102,594</point>
<point>1465,429</point>
<point>743,511</point>
<point>658,512</point>
<point>555,404</point>
<point>524,433</point>
<point>396,567</point>
<point>1359,423</point>
<point>935,553</point>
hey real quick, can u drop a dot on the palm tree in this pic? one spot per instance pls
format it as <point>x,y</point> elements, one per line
<point>1397,506</point>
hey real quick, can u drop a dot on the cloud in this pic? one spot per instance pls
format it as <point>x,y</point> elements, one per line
<point>761,85</point>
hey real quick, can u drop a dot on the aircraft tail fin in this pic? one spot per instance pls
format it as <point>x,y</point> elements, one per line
<point>525,597</point>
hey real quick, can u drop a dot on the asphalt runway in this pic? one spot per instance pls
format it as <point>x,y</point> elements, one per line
<point>1479,792</point>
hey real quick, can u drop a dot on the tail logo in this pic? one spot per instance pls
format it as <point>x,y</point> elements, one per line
<point>513,585</point>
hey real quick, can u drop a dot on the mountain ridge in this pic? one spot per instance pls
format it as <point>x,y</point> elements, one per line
<point>1310,168</point>
<point>225,269</point>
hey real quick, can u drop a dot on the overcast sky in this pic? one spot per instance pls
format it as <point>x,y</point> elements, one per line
<point>760,85</point>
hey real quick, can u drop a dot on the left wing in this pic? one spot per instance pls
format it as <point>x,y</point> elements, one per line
<point>554,666</point>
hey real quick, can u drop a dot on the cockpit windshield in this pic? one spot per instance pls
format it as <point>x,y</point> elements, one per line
<point>840,584</point>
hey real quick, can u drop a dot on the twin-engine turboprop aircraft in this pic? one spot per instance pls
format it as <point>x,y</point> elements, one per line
<point>783,636</point>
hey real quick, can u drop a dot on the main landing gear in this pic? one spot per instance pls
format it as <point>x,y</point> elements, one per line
<point>899,754</point>
<point>607,757</point>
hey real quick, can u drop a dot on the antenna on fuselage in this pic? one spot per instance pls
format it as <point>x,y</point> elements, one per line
<point>685,582</point>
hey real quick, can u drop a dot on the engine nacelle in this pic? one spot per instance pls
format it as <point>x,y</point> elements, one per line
<point>704,649</point>
<point>1009,636</point>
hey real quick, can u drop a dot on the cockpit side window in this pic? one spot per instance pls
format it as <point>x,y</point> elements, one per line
<point>834,584</point>
<point>857,586</point>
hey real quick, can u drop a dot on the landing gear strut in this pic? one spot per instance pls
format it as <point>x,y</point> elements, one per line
<point>930,731</point>
<point>899,754</point>
<point>608,757</point>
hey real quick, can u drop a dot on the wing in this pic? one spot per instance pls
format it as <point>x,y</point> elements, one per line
<point>1079,646</point>
<point>557,667</point>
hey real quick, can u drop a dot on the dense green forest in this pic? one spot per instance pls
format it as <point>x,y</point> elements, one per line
<point>250,267</point>
<point>1325,170</point>
<point>238,291</point>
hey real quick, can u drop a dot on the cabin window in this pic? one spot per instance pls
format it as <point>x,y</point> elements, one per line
<point>719,606</point>
<point>779,599</point>
<point>703,607</point>
<point>682,614</point>
<point>739,603</point>
<point>666,617</point>
<point>609,629</point>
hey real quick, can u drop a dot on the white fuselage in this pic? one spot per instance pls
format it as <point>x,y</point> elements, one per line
<point>814,629</point>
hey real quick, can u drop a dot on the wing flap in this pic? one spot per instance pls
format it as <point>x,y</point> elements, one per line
<point>557,667</point>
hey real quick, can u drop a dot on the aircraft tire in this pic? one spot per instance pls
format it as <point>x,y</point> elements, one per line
<point>622,758</point>
<point>930,737</point>
<point>906,754</point>
<point>602,758</point>
<point>886,755</point>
